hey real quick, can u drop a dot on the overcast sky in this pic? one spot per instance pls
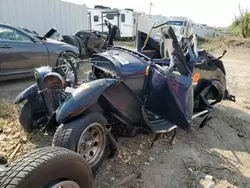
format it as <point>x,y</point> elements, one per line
<point>211,12</point>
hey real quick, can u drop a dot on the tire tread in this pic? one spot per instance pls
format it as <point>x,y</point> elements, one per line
<point>17,172</point>
<point>66,134</point>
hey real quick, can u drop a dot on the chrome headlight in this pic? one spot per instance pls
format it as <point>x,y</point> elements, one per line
<point>53,80</point>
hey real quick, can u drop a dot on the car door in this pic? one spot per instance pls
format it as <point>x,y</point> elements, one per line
<point>170,95</point>
<point>19,52</point>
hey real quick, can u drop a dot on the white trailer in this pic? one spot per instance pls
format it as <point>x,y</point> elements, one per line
<point>203,31</point>
<point>127,23</point>
<point>124,19</point>
<point>42,15</point>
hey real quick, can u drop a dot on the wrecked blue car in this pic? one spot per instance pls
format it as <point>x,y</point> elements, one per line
<point>156,89</point>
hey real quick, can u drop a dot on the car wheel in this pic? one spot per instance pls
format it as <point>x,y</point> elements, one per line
<point>70,40</point>
<point>26,119</point>
<point>49,167</point>
<point>66,67</point>
<point>85,136</point>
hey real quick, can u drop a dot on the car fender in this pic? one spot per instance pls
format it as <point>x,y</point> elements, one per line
<point>82,99</point>
<point>56,49</point>
<point>25,93</point>
<point>221,89</point>
<point>214,85</point>
<point>69,48</point>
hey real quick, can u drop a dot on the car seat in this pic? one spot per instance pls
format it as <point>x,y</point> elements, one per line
<point>170,48</point>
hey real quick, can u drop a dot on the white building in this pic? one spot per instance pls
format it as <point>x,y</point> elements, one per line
<point>42,15</point>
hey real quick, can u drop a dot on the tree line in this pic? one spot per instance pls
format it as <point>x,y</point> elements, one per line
<point>241,22</point>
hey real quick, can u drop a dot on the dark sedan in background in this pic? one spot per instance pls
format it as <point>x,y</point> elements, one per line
<point>21,52</point>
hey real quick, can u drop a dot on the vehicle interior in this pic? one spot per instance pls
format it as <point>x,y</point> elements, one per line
<point>158,50</point>
<point>174,80</point>
<point>184,53</point>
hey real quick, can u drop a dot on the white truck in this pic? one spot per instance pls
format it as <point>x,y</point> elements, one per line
<point>181,25</point>
<point>124,19</point>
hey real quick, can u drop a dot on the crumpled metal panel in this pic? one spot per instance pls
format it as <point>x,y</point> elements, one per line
<point>82,99</point>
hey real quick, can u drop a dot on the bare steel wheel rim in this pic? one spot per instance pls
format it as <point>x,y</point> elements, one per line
<point>67,70</point>
<point>65,184</point>
<point>92,143</point>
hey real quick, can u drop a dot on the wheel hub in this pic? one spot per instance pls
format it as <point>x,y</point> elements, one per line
<point>67,69</point>
<point>92,143</point>
<point>65,184</point>
<point>87,145</point>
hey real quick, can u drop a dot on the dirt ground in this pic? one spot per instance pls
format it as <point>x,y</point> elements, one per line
<point>220,149</point>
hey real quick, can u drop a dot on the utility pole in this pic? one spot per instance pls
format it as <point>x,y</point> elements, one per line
<point>150,8</point>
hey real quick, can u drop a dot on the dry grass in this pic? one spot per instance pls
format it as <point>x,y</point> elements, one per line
<point>13,140</point>
<point>212,44</point>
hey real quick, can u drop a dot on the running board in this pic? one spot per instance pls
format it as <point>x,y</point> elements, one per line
<point>157,124</point>
<point>163,127</point>
<point>203,112</point>
<point>200,114</point>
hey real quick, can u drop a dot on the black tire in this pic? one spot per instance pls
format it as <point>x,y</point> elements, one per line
<point>83,35</point>
<point>70,40</point>
<point>26,119</point>
<point>68,135</point>
<point>45,167</point>
<point>83,53</point>
<point>60,61</point>
<point>78,41</point>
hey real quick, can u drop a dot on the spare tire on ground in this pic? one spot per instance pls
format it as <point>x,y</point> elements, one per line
<point>93,40</point>
<point>47,167</point>
<point>71,40</point>
<point>78,42</point>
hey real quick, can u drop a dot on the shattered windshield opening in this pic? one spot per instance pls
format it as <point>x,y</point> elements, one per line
<point>176,23</point>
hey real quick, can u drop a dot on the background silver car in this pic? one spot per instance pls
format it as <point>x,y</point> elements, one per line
<point>22,51</point>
